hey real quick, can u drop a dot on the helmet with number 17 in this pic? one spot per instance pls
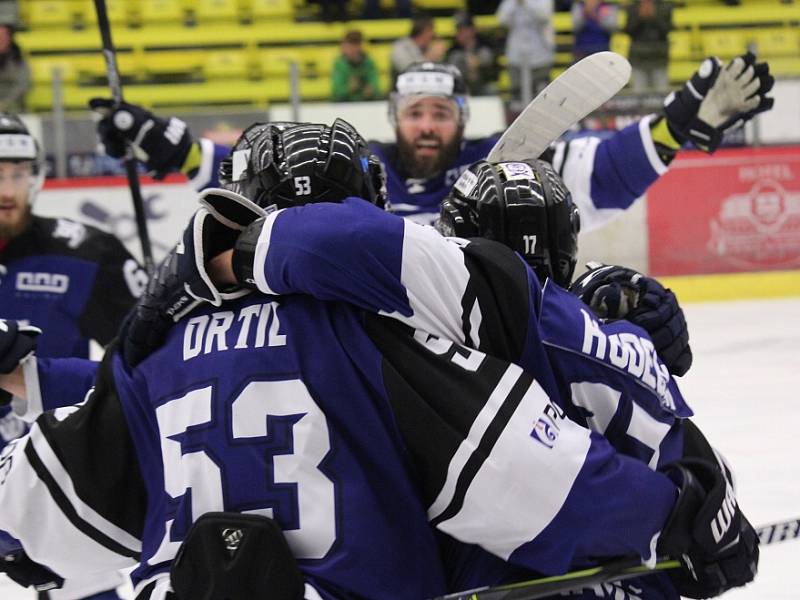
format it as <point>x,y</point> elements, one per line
<point>286,164</point>
<point>523,205</point>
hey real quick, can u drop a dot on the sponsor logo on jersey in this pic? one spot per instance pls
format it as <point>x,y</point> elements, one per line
<point>71,231</point>
<point>628,352</point>
<point>50,283</point>
<point>546,429</point>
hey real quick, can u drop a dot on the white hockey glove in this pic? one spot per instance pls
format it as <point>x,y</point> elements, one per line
<point>718,99</point>
<point>161,144</point>
<point>181,281</point>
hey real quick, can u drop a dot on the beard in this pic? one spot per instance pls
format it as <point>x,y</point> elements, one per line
<point>426,168</point>
<point>9,231</point>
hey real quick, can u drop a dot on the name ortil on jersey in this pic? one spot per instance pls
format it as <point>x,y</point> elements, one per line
<point>629,352</point>
<point>254,326</point>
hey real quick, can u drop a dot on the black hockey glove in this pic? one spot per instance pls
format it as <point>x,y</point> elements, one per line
<point>614,292</point>
<point>27,573</point>
<point>16,342</point>
<point>717,99</point>
<point>707,531</point>
<point>181,281</point>
<point>161,144</point>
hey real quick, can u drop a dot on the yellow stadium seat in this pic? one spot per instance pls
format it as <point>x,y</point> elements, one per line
<point>188,63</point>
<point>381,55</point>
<point>117,11</point>
<point>271,10</point>
<point>49,14</point>
<point>724,43</point>
<point>620,43</point>
<point>771,43</point>
<point>226,64</point>
<point>680,45</point>
<point>42,69</point>
<point>162,12</point>
<point>213,12</point>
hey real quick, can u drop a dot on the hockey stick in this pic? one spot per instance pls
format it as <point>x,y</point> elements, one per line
<point>114,82</point>
<point>578,91</point>
<point>620,570</point>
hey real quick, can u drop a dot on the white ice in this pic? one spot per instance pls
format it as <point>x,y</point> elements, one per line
<point>743,386</point>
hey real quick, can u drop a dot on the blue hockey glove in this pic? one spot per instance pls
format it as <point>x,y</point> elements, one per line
<point>181,281</point>
<point>161,144</point>
<point>16,342</point>
<point>706,530</point>
<point>614,292</point>
<point>717,99</point>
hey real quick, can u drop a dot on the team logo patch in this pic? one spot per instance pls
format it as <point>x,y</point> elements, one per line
<point>50,283</point>
<point>546,429</point>
<point>71,231</point>
<point>517,170</point>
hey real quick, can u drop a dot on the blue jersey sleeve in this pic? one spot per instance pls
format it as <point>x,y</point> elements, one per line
<point>57,382</point>
<point>607,175</point>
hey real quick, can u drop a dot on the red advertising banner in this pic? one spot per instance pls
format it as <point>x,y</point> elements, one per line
<point>738,210</point>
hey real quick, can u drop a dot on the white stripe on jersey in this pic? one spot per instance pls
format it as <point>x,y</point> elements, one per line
<point>475,320</point>
<point>202,178</point>
<point>650,146</point>
<point>435,278</point>
<point>29,507</point>
<point>473,439</point>
<point>502,516</point>
<point>577,175</point>
<point>262,247</point>
<point>84,511</point>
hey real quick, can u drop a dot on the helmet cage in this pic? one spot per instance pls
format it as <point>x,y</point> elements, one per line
<point>289,164</point>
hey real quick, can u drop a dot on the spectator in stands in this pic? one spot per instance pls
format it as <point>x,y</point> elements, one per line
<point>421,45</point>
<point>354,76</point>
<point>593,22</point>
<point>648,24</point>
<point>473,56</point>
<point>530,44</point>
<point>15,77</point>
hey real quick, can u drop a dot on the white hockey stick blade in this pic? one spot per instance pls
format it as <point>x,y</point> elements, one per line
<point>578,91</point>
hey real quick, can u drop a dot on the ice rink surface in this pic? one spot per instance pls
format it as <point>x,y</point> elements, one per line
<point>744,387</point>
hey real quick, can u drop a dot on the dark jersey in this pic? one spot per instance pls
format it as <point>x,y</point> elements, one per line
<point>355,432</point>
<point>71,280</point>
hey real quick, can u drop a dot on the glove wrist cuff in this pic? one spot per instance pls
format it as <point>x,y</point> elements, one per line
<point>244,254</point>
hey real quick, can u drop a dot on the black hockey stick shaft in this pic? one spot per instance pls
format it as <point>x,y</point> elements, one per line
<point>115,83</point>
<point>771,533</point>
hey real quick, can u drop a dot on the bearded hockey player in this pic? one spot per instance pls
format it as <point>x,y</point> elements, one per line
<point>70,280</point>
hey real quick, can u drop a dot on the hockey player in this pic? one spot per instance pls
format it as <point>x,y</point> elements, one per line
<point>71,280</point>
<point>429,108</point>
<point>306,392</point>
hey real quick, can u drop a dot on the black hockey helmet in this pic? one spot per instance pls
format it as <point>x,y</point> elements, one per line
<point>524,205</point>
<point>288,164</point>
<point>18,145</point>
<point>430,79</point>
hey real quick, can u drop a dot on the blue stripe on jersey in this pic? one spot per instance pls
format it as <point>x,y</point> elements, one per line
<point>622,170</point>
